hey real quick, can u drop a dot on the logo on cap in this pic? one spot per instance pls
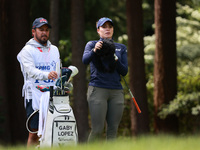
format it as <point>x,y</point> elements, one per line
<point>39,22</point>
<point>43,20</point>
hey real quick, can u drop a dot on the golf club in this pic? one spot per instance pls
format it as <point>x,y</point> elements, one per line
<point>136,105</point>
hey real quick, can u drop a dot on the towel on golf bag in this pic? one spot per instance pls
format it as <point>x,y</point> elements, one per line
<point>40,105</point>
<point>44,105</point>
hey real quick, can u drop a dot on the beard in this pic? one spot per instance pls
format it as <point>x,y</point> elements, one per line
<point>42,40</point>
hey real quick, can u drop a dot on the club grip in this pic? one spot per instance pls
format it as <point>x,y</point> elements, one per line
<point>51,92</point>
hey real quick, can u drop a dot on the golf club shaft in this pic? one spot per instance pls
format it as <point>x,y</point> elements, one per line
<point>133,98</point>
<point>61,74</point>
<point>136,105</point>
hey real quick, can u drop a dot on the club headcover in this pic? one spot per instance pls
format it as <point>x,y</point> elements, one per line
<point>67,74</point>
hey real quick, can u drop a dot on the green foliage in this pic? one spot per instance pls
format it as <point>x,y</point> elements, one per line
<point>188,97</point>
<point>189,52</point>
<point>186,105</point>
<point>123,39</point>
<point>188,28</point>
<point>186,108</point>
<point>182,104</point>
<point>65,52</point>
<point>189,77</point>
<point>149,49</point>
<point>188,67</point>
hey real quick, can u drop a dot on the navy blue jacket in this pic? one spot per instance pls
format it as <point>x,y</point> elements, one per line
<point>106,79</point>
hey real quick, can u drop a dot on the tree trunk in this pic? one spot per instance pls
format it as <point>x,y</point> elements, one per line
<point>140,122</point>
<point>79,81</point>
<point>54,21</point>
<point>14,34</point>
<point>165,73</point>
<point>4,117</point>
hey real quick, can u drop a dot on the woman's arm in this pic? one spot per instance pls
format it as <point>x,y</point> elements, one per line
<point>88,53</point>
<point>122,63</point>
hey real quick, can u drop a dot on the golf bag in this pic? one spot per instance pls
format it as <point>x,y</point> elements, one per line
<point>60,123</point>
<point>61,128</point>
<point>57,124</point>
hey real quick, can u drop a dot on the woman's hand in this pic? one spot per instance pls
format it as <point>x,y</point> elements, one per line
<point>98,46</point>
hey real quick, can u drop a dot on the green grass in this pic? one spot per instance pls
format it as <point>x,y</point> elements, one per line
<point>161,142</point>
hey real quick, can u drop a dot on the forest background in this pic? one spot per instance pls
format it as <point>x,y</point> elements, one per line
<point>163,44</point>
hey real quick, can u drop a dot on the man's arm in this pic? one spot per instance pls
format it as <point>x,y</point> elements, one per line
<point>29,67</point>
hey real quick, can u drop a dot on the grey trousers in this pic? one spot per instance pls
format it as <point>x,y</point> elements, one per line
<point>105,105</point>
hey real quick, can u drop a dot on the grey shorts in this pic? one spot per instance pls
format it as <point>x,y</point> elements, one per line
<point>35,119</point>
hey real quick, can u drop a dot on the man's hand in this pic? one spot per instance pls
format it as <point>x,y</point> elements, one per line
<point>53,75</point>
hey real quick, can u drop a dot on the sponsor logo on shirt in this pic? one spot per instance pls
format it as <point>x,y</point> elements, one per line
<point>118,49</point>
<point>43,66</point>
<point>46,66</point>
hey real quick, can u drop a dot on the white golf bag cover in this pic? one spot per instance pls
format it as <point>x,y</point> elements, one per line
<point>61,128</point>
